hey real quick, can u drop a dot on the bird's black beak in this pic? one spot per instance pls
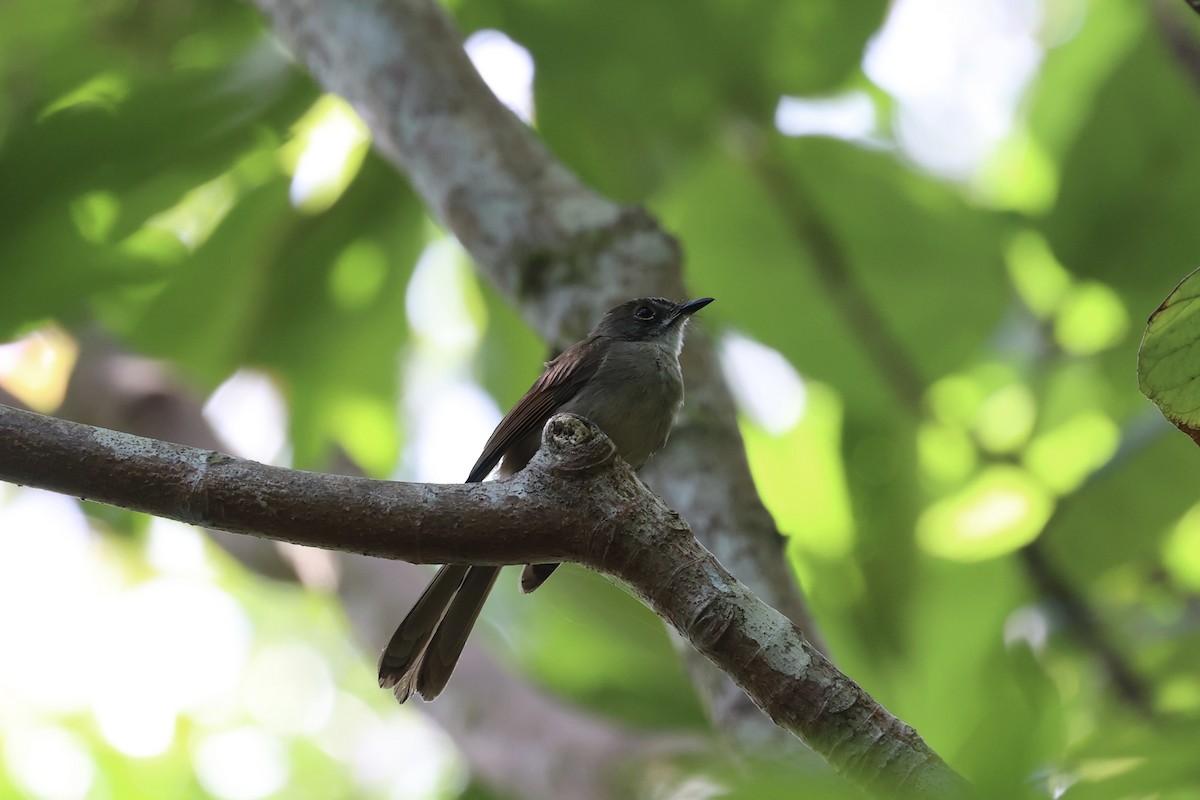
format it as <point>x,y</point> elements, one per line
<point>692,306</point>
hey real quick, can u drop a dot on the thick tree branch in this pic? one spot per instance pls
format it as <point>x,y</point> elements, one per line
<point>496,718</point>
<point>558,250</point>
<point>529,222</point>
<point>575,502</point>
<point>110,388</point>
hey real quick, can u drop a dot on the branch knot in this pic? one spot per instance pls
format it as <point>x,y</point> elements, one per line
<point>573,444</point>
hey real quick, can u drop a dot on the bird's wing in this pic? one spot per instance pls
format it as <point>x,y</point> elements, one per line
<point>563,378</point>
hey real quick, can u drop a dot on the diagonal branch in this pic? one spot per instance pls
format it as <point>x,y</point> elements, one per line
<point>575,502</point>
<point>533,228</point>
<point>1052,582</point>
<point>555,248</point>
<point>495,717</point>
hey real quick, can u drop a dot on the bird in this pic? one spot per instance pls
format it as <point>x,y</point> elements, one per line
<point>625,377</point>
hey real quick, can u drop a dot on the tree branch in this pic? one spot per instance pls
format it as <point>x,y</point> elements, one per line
<point>1179,38</point>
<point>556,249</point>
<point>528,221</point>
<point>576,501</point>
<point>496,718</point>
<point>110,388</point>
<point>1050,580</point>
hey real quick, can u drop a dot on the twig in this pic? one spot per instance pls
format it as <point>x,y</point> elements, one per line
<point>1180,41</point>
<point>833,268</point>
<point>901,373</point>
<point>1052,584</point>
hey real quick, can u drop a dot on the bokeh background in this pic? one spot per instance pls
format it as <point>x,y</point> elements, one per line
<point>935,229</point>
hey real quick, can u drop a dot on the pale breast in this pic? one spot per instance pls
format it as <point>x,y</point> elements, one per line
<point>634,397</point>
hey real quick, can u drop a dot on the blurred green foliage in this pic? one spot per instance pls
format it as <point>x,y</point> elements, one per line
<point>968,347</point>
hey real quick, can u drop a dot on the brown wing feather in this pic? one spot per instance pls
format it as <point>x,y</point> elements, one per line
<point>564,376</point>
<point>426,646</point>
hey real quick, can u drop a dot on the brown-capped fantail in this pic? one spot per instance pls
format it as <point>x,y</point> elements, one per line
<point>625,377</point>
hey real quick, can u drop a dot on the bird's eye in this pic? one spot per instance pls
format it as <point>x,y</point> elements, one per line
<point>644,312</point>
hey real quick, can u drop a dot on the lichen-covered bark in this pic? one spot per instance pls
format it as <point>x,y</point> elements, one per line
<point>496,718</point>
<point>560,252</point>
<point>576,501</point>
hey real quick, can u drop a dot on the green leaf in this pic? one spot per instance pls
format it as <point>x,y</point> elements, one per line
<point>1169,358</point>
<point>205,315</point>
<point>92,158</point>
<point>333,323</point>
